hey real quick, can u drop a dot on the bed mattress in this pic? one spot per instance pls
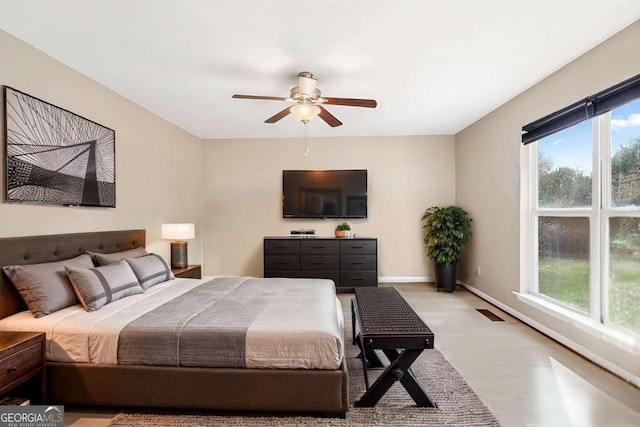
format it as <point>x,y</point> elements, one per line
<point>212,322</point>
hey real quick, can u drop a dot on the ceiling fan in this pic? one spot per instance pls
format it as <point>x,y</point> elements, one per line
<point>309,103</point>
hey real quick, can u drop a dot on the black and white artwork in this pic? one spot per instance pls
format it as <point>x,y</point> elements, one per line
<point>55,156</point>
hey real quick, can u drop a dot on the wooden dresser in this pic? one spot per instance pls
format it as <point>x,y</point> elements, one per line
<point>349,262</point>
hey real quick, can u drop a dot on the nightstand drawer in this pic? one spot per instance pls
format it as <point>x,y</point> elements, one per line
<point>19,364</point>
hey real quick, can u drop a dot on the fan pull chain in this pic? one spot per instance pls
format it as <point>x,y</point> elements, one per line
<point>306,138</point>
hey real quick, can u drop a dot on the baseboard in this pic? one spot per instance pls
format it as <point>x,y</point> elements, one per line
<point>578,348</point>
<point>404,279</point>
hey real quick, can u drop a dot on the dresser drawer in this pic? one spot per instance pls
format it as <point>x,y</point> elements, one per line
<point>19,364</point>
<point>353,279</point>
<point>355,247</point>
<point>358,262</point>
<point>281,273</point>
<point>319,247</point>
<point>320,262</point>
<point>317,274</point>
<point>282,262</point>
<point>275,247</point>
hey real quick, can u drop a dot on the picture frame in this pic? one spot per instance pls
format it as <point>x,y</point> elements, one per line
<point>54,156</point>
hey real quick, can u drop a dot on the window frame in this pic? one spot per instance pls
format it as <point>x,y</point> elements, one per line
<point>599,215</point>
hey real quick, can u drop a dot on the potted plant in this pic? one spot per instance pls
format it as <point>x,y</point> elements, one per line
<point>447,230</point>
<point>342,229</point>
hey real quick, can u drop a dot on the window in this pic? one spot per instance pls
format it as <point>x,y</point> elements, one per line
<point>584,218</point>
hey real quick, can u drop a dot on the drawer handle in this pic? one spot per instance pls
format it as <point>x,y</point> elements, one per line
<point>13,369</point>
<point>281,263</point>
<point>280,247</point>
<point>357,262</point>
<point>358,278</point>
<point>318,247</point>
<point>357,247</point>
<point>318,263</point>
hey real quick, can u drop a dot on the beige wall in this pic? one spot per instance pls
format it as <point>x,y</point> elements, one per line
<point>242,191</point>
<point>167,175</point>
<point>488,184</point>
<point>158,168</point>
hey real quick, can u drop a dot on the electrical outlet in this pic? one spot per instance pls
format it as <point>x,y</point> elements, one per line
<point>478,271</point>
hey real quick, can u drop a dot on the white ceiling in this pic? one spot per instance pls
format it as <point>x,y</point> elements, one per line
<point>434,66</point>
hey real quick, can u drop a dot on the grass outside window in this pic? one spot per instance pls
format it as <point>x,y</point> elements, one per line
<point>567,281</point>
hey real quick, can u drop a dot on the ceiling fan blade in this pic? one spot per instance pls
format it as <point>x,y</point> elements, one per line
<point>278,116</point>
<point>267,98</point>
<point>328,117</point>
<point>352,102</point>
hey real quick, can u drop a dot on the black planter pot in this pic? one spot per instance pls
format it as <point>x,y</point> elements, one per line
<point>446,277</point>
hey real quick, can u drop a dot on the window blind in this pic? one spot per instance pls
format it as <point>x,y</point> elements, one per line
<point>585,109</point>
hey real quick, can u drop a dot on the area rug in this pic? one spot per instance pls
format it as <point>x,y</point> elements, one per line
<point>458,405</point>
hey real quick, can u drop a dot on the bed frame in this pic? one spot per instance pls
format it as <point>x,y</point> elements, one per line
<point>324,391</point>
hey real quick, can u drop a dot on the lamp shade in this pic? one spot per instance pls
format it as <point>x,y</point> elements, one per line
<point>178,231</point>
<point>305,112</point>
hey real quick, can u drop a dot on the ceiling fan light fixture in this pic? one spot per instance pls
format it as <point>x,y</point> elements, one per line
<point>309,102</point>
<point>305,112</point>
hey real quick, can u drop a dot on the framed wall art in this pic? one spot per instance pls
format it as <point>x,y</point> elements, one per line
<point>55,156</point>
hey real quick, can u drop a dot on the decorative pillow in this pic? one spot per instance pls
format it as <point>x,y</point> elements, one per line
<point>150,270</point>
<point>98,286</point>
<point>105,259</point>
<point>45,287</point>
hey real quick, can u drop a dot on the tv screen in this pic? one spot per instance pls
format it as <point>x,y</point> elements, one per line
<point>324,193</point>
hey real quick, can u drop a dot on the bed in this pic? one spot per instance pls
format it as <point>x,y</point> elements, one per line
<point>150,384</point>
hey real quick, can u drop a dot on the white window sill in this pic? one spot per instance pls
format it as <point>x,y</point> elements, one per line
<point>611,335</point>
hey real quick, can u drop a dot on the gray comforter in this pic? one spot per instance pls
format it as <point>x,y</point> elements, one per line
<point>211,325</point>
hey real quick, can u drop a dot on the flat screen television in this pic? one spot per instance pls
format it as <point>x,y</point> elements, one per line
<point>324,193</point>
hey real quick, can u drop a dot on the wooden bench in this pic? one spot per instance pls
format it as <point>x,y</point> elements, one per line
<point>386,322</point>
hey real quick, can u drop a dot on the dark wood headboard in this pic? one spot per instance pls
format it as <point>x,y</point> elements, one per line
<point>56,247</point>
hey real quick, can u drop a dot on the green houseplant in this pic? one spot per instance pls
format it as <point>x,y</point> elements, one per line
<point>341,229</point>
<point>446,232</point>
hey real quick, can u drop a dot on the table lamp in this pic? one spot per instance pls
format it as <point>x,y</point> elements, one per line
<point>178,233</point>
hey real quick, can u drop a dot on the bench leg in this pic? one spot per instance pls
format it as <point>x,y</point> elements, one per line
<point>353,322</point>
<point>398,370</point>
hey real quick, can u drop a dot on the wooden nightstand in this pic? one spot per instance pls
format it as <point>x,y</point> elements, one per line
<point>22,365</point>
<point>191,272</point>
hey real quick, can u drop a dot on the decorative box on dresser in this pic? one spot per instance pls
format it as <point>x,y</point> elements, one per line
<point>22,365</point>
<point>349,262</point>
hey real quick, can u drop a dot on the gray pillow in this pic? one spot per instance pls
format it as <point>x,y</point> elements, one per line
<point>98,286</point>
<point>105,259</point>
<point>45,287</point>
<point>150,270</point>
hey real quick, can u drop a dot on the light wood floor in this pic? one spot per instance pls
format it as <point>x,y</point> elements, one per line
<point>524,378</point>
